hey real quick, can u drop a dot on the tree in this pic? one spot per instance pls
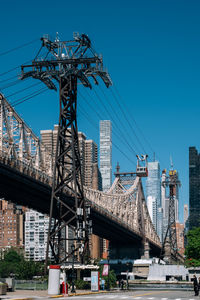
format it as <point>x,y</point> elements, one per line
<point>192,250</point>
<point>14,263</point>
<point>112,277</point>
<point>13,256</point>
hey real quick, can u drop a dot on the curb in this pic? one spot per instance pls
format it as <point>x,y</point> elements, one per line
<point>59,296</point>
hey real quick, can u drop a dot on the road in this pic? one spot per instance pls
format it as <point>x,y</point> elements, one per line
<point>142,295</point>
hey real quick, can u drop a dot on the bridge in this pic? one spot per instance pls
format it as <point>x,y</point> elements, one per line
<point>26,169</point>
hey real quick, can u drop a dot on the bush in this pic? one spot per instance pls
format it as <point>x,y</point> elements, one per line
<point>82,285</point>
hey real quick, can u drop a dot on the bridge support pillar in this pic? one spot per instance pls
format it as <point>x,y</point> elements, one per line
<point>146,250</point>
<point>167,252</point>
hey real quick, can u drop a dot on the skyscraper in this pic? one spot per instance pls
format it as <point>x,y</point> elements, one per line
<point>153,192</point>
<point>105,165</point>
<point>106,153</point>
<point>185,214</point>
<point>194,188</point>
<point>11,225</point>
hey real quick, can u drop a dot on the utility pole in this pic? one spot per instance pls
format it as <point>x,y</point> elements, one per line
<point>170,239</point>
<point>64,63</point>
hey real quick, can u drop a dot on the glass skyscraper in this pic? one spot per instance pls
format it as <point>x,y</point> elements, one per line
<point>194,188</point>
<point>106,154</point>
<point>153,194</point>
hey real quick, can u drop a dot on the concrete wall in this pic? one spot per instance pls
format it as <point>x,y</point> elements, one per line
<point>163,272</point>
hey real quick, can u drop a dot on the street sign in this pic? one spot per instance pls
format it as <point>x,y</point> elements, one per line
<point>105,270</point>
<point>94,281</point>
<point>86,278</point>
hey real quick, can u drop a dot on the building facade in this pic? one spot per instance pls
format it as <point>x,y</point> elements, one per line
<point>194,188</point>
<point>180,238</point>
<point>106,154</point>
<point>36,232</point>
<point>11,225</point>
<point>153,193</point>
<point>185,214</point>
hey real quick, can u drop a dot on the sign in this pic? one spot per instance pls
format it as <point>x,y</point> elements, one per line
<point>94,281</point>
<point>86,278</point>
<point>105,270</point>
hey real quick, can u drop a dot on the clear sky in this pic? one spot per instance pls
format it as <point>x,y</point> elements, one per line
<point>152,52</point>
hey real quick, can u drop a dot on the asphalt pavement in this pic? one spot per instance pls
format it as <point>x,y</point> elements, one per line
<point>104,295</point>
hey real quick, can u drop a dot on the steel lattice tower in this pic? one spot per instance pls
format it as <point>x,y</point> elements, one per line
<point>65,63</point>
<point>170,236</point>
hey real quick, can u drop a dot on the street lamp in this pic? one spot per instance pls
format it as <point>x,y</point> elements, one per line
<point>108,258</point>
<point>73,289</point>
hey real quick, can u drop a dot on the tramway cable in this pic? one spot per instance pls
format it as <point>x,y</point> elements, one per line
<point>87,116</point>
<point>119,136</point>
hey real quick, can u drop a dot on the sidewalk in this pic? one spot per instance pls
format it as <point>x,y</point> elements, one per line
<point>34,294</point>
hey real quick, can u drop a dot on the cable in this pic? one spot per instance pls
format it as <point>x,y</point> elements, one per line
<point>119,136</point>
<point>4,80</point>
<point>122,135</point>
<point>22,90</point>
<point>19,47</point>
<point>122,123</point>
<point>15,68</point>
<point>136,123</point>
<point>147,142</point>
<point>23,99</point>
<point>127,120</point>
<point>87,116</point>
<point>10,84</point>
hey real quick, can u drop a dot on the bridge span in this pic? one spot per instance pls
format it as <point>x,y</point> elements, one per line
<point>26,169</point>
<point>123,219</point>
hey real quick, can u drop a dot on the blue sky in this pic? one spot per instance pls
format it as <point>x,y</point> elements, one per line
<point>152,52</point>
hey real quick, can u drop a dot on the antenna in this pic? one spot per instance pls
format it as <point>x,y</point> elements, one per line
<point>171,163</point>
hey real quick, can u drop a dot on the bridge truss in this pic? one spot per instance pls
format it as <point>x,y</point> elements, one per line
<point>124,203</point>
<point>21,147</point>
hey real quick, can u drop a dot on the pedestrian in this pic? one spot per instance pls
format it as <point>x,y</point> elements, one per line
<point>199,283</point>
<point>119,283</point>
<point>103,284</point>
<point>196,286</point>
<point>122,284</point>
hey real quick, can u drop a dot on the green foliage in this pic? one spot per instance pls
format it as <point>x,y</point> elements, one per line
<point>112,278</point>
<point>14,263</point>
<point>192,250</point>
<point>13,256</point>
<point>82,285</point>
<point>28,269</point>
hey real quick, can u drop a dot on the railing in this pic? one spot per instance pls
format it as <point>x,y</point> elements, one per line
<point>31,285</point>
<point>24,168</point>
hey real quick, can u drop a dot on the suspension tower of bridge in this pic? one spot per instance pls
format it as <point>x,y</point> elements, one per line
<point>66,62</point>
<point>126,179</point>
<point>169,250</point>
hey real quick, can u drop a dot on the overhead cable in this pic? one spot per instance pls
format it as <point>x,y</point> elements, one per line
<point>87,116</point>
<point>18,47</point>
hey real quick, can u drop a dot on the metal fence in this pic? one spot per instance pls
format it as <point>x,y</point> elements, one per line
<point>31,285</point>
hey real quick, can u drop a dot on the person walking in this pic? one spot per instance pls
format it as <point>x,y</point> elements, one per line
<point>196,285</point>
